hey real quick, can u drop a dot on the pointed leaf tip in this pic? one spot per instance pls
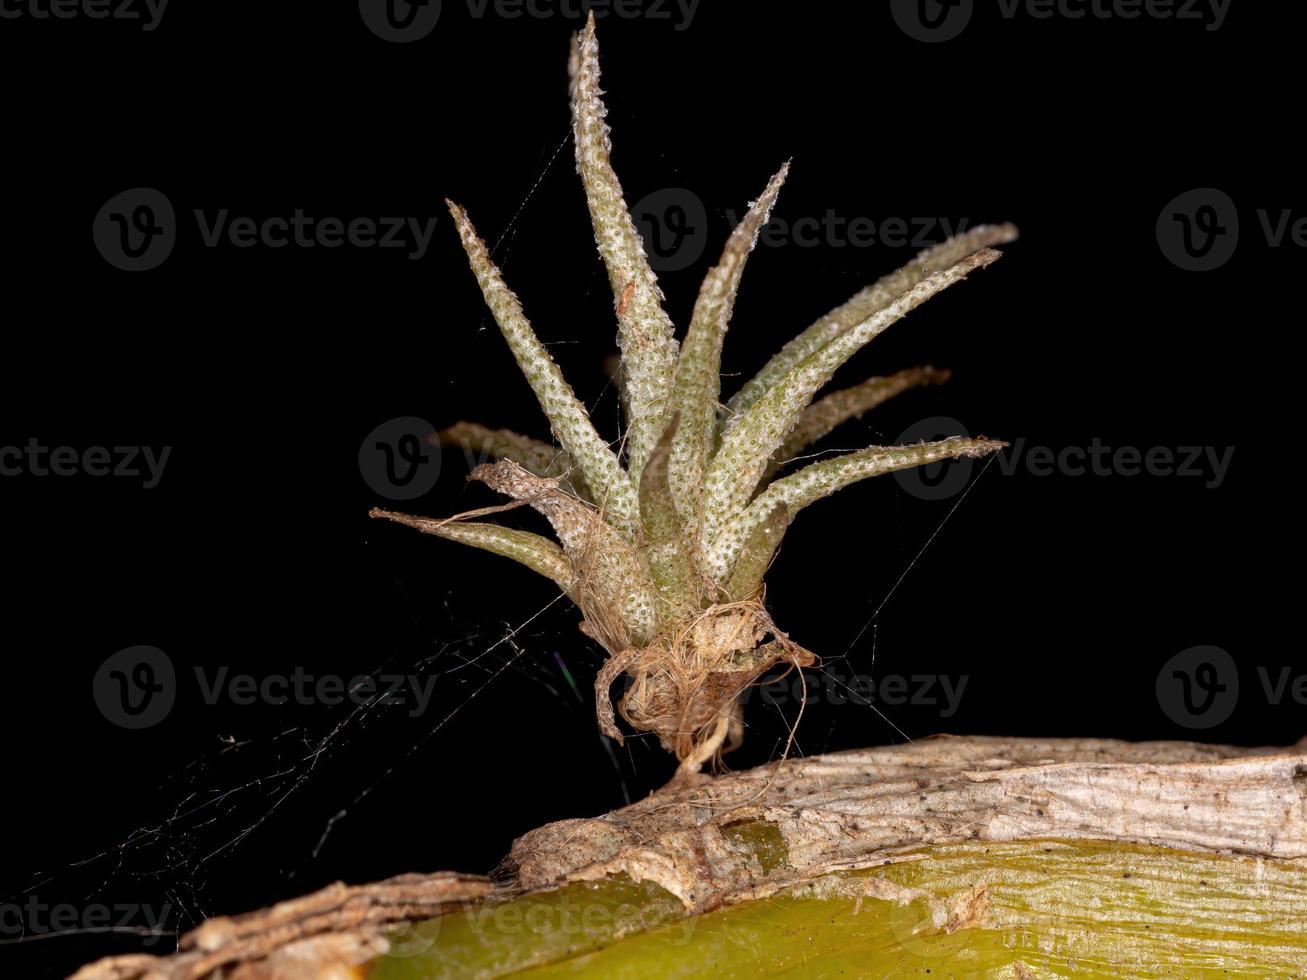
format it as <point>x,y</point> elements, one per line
<point>862,305</point>
<point>824,415</point>
<point>747,449</point>
<point>696,388</point>
<point>818,480</point>
<point>537,553</point>
<point>645,333</point>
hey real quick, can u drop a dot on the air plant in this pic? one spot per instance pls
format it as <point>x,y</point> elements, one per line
<point>953,856</point>
<point>664,538</point>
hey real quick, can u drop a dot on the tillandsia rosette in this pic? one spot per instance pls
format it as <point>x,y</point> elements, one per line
<point>664,537</point>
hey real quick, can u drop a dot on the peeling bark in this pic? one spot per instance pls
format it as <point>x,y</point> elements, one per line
<point>852,810</point>
<point>795,828</point>
<point>320,935</point>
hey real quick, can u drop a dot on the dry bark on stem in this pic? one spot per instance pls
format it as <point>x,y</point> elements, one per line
<point>856,809</point>
<point>313,936</point>
<point>834,813</point>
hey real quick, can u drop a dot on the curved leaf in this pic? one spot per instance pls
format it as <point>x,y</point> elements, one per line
<point>819,480</point>
<point>567,416</point>
<point>862,305</point>
<point>747,449</point>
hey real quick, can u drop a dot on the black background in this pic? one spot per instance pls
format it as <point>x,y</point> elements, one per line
<point>1059,597</point>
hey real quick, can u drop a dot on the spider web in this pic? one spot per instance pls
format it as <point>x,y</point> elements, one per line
<point>217,804</point>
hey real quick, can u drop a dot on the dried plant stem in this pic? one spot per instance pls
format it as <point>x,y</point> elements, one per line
<point>971,838</point>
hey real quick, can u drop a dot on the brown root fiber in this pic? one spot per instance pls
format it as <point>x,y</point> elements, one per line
<point>688,663</point>
<point>686,684</point>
